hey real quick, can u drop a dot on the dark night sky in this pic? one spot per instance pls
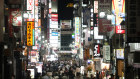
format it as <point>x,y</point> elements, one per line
<point>65,13</point>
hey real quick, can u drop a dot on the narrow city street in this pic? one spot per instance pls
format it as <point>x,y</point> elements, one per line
<point>69,39</point>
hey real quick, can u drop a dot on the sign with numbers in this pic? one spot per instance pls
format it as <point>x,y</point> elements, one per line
<point>30,27</point>
<point>119,31</point>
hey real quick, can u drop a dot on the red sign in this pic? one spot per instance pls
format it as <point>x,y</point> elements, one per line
<point>104,26</point>
<point>119,31</point>
<point>50,11</point>
<point>54,17</point>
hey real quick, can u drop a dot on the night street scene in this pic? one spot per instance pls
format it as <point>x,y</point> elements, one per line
<point>69,39</point>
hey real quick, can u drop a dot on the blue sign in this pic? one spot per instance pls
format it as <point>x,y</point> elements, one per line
<point>54,33</point>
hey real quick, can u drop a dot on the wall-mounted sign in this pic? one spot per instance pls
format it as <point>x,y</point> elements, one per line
<point>120,53</point>
<point>77,32</point>
<point>119,30</point>
<point>106,52</point>
<point>54,33</point>
<point>31,8</point>
<point>97,50</point>
<point>65,24</point>
<point>95,6</point>
<point>30,27</point>
<point>118,9</point>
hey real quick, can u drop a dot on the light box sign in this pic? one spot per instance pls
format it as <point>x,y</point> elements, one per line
<point>96,35</point>
<point>95,6</point>
<point>30,7</point>
<point>97,51</point>
<point>65,24</point>
<point>77,31</point>
<point>30,27</point>
<point>106,52</point>
<point>118,9</point>
<point>54,33</point>
<point>120,53</point>
<point>54,17</point>
<point>119,31</point>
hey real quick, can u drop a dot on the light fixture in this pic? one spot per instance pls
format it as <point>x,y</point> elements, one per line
<point>109,17</point>
<point>25,15</point>
<point>102,14</point>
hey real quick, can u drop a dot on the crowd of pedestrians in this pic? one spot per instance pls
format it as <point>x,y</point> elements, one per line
<point>61,70</point>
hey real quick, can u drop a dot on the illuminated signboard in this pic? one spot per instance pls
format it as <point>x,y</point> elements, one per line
<point>30,27</point>
<point>30,7</point>
<point>95,6</point>
<point>120,53</point>
<point>96,35</point>
<point>54,21</point>
<point>65,24</point>
<point>54,17</point>
<point>118,9</point>
<point>106,52</point>
<point>77,31</point>
<point>97,51</point>
<point>119,31</point>
<point>54,33</point>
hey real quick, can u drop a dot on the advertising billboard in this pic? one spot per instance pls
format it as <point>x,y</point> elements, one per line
<point>65,24</point>
<point>16,14</point>
<point>31,8</point>
<point>118,10</point>
<point>30,27</point>
<point>120,53</point>
<point>97,50</point>
<point>54,38</point>
<point>54,21</point>
<point>77,32</point>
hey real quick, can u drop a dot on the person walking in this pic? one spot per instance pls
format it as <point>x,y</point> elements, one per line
<point>45,76</point>
<point>70,73</point>
<point>97,74</point>
<point>78,76</point>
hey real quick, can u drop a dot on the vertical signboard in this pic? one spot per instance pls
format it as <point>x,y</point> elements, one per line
<point>30,27</point>
<point>106,52</point>
<point>97,50</point>
<point>118,9</point>
<point>95,6</point>
<point>77,32</point>
<point>30,7</point>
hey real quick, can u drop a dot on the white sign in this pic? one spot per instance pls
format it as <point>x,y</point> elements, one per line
<point>120,53</point>
<point>106,52</point>
<point>30,6</point>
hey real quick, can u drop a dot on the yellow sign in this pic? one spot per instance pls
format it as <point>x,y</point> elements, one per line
<point>30,27</point>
